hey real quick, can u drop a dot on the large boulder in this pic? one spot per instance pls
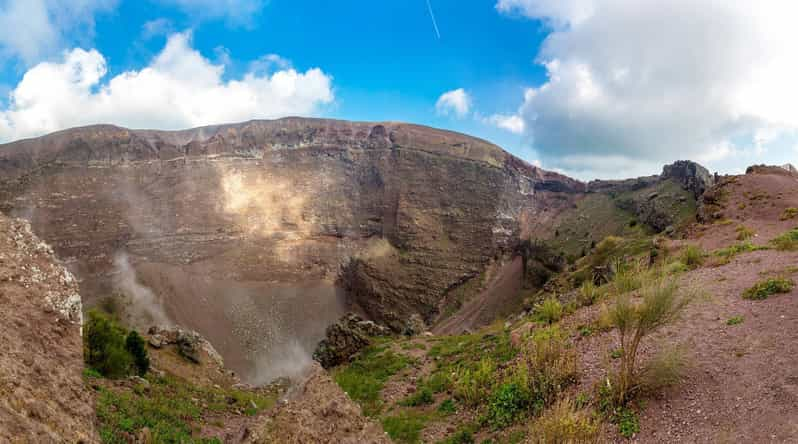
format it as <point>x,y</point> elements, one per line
<point>345,338</point>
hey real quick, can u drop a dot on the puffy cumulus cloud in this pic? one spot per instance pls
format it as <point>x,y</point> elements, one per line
<point>456,102</point>
<point>236,12</point>
<point>33,29</point>
<point>508,122</point>
<point>645,82</point>
<point>180,88</point>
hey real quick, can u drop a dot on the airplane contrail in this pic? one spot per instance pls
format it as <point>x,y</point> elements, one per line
<point>434,23</point>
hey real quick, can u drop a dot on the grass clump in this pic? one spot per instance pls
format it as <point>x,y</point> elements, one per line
<point>473,387</point>
<point>549,311</point>
<point>566,422</point>
<point>588,293</point>
<point>628,276</point>
<point>735,320</point>
<point>406,426</point>
<point>636,320</point>
<point>110,349</point>
<point>744,233</point>
<point>628,423</point>
<point>547,367</point>
<point>364,378</point>
<point>692,256</point>
<point>768,287</point>
<point>787,241</point>
<point>789,213</point>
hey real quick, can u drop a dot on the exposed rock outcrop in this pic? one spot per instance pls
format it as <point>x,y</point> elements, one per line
<point>318,412</point>
<point>345,338</point>
<point>42,394</point>
<point>692,176</point>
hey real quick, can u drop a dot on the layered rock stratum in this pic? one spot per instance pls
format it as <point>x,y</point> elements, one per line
<point>245,228</point>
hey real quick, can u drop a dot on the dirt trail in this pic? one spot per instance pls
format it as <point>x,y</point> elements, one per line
<point>501,291</point>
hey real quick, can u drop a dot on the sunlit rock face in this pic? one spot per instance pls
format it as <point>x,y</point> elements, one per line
<point>259,235</point>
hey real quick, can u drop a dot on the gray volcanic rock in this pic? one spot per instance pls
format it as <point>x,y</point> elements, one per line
<point>228,225</point>
<point>345,338</point>
<point>692,176</point>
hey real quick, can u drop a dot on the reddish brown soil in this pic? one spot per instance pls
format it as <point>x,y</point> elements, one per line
<point>756,201</point>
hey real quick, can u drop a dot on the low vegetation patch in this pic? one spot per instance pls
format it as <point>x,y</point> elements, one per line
<point>728,253</point>
<point>734,320</point>
<point>768,287</point>
<point>549,311</point>
<point>789,213</point>
<point>565,422</point>
<point>692,256</point>
<point>170,407</point>
<point>744,233</point>
<point>364,378</point>
<point>406,426</point>
<point>787,241</point>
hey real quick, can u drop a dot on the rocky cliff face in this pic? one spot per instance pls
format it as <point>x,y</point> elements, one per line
<point>42,395</point>
<point>244,228</point>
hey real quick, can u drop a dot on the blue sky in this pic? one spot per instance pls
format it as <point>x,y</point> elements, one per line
<point>594,88</point>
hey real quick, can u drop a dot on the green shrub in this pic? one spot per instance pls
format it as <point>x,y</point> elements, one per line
<point>138,350</point>
<point>406,426</point>
<point>628,424</point>
<point>508,403</point>
<point>566,423</point>
<point>787,241</point>
<point>447,407</point>
<point>422,396</point>
<point>763,289</point>
<point>473,387</point>
<point>104,346</point>
<point>549,311</point>
<point>789,213</point>
<point>692,256</point>
<point>735,320</point>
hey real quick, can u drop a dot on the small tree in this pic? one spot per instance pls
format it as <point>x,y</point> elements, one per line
<point>660,305</point>
<point>104,346</point>
<point>136,347</point>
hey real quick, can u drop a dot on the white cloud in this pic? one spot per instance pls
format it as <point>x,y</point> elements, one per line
<point>651,81</point>
<point>156,27</point>
<point>180,88</point>
<point>237,12</point>
<point>33,29</point>
<point>456,102</point>
<point>509,122</point>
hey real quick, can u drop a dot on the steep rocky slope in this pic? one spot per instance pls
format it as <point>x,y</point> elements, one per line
<point>243,228</point>
<point>42,395</point>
